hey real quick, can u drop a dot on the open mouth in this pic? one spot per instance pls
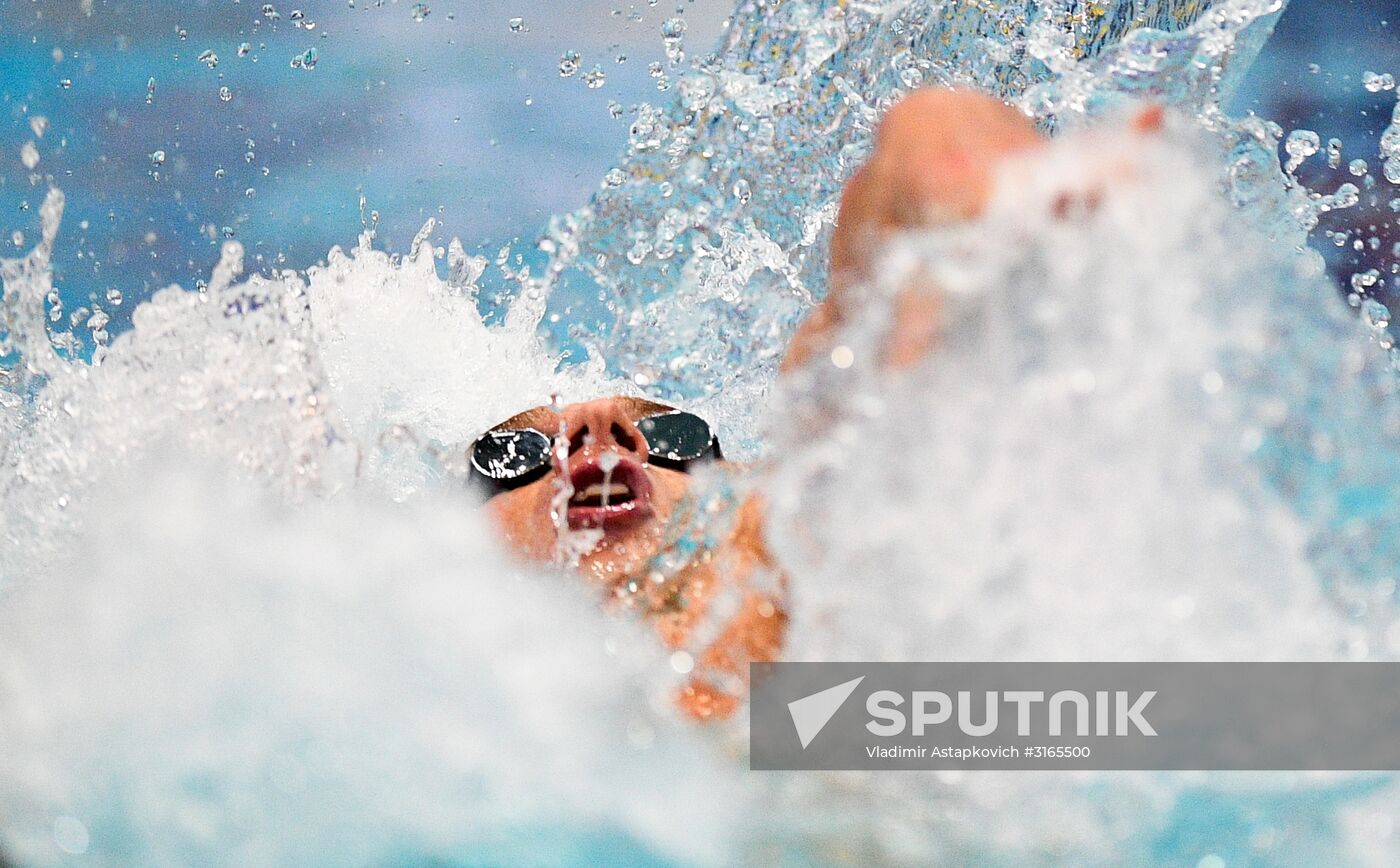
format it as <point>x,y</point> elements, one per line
<point>608,499</point>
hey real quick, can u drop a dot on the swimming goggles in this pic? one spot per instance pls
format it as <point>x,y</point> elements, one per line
<point>504,459</point>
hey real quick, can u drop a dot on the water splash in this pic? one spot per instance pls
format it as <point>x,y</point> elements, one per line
<point>284,376</point>
<point>1154,432</point>
<point>1149,433</point>
<point>311,663</point>
<point>788,104</point>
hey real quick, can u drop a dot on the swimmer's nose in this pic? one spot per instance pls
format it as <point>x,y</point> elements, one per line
<point>603,426</point>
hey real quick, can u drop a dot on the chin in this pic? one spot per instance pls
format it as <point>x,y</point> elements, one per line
<point>627,548</point>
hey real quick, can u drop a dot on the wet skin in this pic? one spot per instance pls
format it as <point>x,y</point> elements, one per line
<point>633,518</point>
<point>935,161</point>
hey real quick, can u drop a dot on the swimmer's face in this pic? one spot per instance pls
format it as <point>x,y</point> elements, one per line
<point>630,505</point>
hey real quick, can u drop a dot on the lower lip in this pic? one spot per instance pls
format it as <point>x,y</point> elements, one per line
<point>611,516</point>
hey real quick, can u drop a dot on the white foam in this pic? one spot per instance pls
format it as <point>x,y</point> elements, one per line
<point>211,677</point>
<point>1078,472</point>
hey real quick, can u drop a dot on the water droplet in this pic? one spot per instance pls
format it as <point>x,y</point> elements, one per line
<point>1303,143</point>
<point>906,66</point>
<point>1346,197</point>
<point>209,58</point>
<point>1364,280</point>
<point>1357,167</point>
<point>595,78</point>
<point>614,178</point>
<point>420,11</point>
<point>1376,83</point>
<point>1334,153</point>
<point>270,11</point>
<point>157,157</point>
<point>225,94</point>
<point>517,25</point>
<point>568,64</point>
<point>39,125</point>
<point>70,835</point>
<point>114,296</point>
<point>65,83</point>
<point>150,91</point>
<point>673,28</point>
<point>243,49</point>
<point>615,109</point>
<point>682,662</point>
<point>1300,145</point>
<point>306,60</point>
<point>250,192</point>
<point>1377,315</point>
<point>29,155</point>
<point>17,238</point>
<point>742,191</point>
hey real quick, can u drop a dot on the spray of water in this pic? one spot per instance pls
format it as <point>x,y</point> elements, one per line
<point>1102,461</point>
<point>1152,431</point>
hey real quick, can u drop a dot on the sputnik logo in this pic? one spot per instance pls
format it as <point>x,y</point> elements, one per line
<point>812,713</point>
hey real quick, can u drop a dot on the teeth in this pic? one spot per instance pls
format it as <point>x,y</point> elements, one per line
<point>598,491</point>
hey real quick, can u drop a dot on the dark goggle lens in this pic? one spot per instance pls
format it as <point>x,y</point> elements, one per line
<point>678,437</point>
<point>508,459</point>
<point>510,456</point>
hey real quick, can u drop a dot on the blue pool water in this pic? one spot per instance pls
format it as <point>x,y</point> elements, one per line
<point>421,118</point>
<point>458,118</point>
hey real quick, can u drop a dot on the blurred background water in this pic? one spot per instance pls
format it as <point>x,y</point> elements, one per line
<point>174,125</point>
<point>446,110</point>
<point>1312,75</point>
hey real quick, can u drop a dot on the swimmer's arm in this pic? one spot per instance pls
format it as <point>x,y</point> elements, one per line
<point>934,163</point>
<point>936,159</point>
